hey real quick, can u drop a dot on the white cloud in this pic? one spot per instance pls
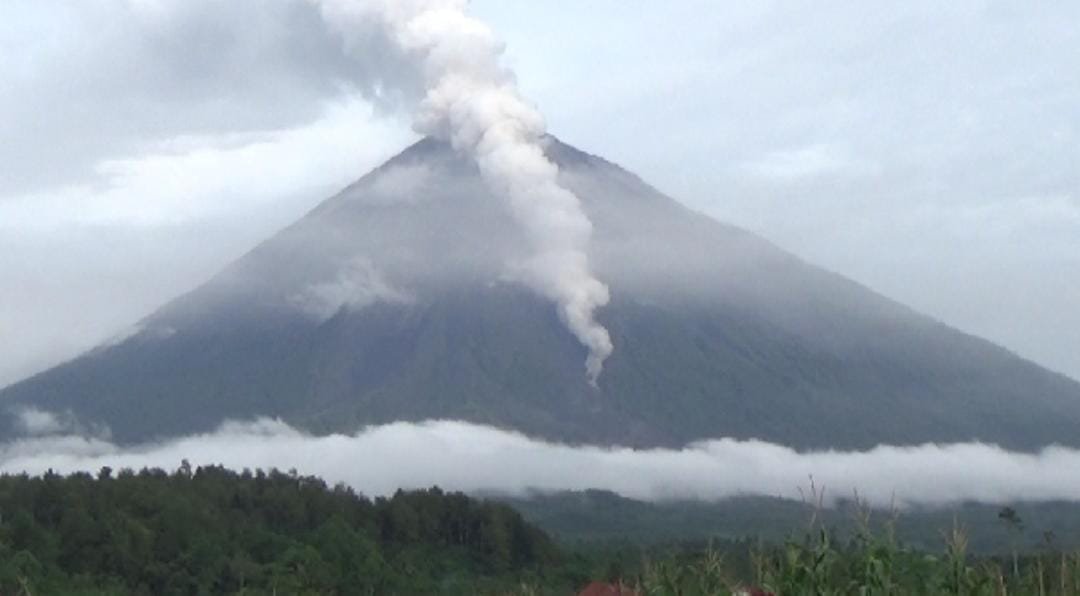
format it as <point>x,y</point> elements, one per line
<point>1053,219</point>
<point>813,160</point>
<point>214,176</point>
<point>93,81</point>
<point>467,457</point>
<point>38,422</point>
<point>81,264</point>
<point>398,184</point>
<point>357,285</point>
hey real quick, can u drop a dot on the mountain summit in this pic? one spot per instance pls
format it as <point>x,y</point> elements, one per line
<point>400,299</point>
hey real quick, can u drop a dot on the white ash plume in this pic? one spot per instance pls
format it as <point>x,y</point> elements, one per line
<point>459,91</point>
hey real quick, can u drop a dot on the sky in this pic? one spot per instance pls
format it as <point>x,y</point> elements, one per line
<point>928,150</point>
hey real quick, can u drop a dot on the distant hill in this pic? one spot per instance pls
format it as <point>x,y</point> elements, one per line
<point>597,518</point>
<point>392,301</point>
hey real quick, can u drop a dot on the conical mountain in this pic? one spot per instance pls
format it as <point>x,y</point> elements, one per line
<point>396,300</point>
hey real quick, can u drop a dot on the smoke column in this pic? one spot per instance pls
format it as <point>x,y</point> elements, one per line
<point>470,99</point>
<point>465,96</point>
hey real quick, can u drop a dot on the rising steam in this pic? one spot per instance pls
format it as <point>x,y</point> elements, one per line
<point>460,92</point>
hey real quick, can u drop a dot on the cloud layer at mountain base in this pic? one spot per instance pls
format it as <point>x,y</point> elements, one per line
<point>461,456</point>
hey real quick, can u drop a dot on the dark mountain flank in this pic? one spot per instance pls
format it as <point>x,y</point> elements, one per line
<point>397,300</point>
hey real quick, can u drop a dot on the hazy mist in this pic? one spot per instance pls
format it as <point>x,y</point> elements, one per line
<point>467,457</point>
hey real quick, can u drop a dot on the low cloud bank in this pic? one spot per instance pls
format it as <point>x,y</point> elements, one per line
<point>467,457</point>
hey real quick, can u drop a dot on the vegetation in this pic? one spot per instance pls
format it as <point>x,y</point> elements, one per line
<point>213,531</point>
<point>592,518</point>
<point>868,564</point>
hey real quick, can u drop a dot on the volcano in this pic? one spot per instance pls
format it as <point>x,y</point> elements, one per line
<point>397,299</point>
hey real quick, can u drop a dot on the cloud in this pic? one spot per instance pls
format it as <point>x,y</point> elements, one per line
<point>357,285</point>
<point>470,98</point>
<point>399,184</point>
<point>149,71</point>
<point>91,259</point>
<point>814,160</point>
<point>93,81</point>
<point>37,422</point>
<point>956,105</point>
<point>50,426</point>
<point>188,178</point>
<point>467,457</point>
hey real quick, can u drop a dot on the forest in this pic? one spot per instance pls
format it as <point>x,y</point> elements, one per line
<point>214,531</point>
<point>210,530</point>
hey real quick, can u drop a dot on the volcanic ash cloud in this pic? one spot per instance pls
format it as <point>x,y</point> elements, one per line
<point>445,67</point>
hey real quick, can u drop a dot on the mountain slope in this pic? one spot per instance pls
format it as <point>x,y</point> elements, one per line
<point>394,300</point>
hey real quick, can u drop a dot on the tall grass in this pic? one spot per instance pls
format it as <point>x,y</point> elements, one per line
<point>868,563</point>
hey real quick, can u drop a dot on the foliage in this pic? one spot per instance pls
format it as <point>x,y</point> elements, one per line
<point>594,517</point>
<point>870,564</point>
<point>212,531</point>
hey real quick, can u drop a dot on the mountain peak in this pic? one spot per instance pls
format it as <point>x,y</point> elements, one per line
<point>398,299</point>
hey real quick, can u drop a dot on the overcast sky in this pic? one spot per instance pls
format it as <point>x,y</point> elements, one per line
<point>929,150</point>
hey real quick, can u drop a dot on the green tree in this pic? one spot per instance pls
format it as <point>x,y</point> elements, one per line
<point>1015,525</point>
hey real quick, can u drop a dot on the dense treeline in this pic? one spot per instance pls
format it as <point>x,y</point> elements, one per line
<point>596,517</point>
<point>212,531</point>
